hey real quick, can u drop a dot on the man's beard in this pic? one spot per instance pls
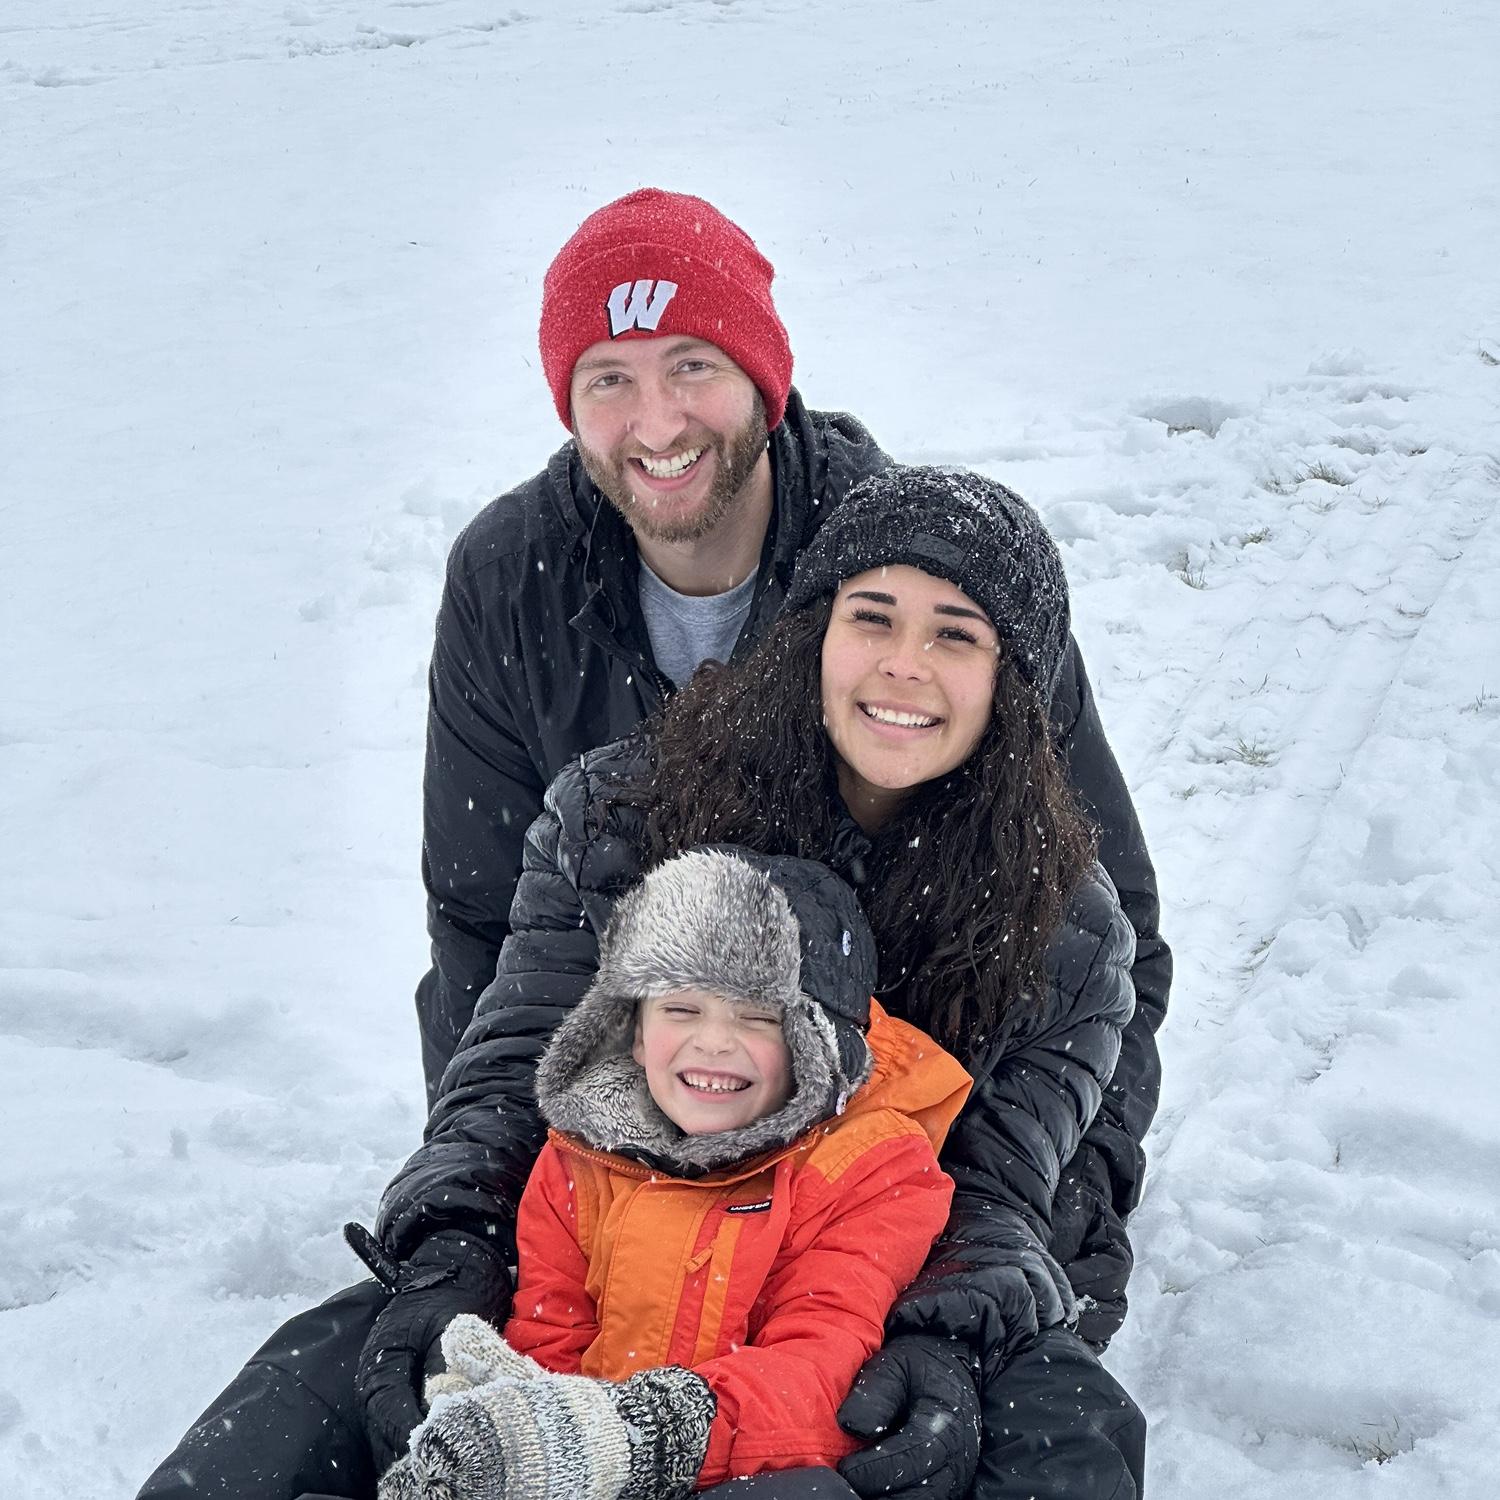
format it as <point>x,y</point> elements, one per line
<point>735,458</point>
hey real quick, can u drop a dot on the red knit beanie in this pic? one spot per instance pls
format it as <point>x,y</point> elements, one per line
<point>652,264</point>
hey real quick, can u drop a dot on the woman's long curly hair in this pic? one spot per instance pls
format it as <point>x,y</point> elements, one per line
<point>968,880</point>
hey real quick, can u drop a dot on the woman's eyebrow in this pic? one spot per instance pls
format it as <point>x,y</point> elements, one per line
<point>962,612</point>
<point>959,610</point>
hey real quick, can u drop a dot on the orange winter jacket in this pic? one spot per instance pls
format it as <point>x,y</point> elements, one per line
<point>771,1280</point>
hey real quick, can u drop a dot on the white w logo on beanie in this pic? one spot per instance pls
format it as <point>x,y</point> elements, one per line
<point>638,304</point>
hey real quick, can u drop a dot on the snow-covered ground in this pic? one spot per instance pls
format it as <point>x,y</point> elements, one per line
<point>1216,287</point>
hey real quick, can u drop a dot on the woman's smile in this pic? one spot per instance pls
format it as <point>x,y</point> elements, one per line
<point>896,717</point>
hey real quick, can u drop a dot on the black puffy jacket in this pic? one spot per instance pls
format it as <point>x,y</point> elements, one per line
<point>1037,1087</point>
<point>541,655</point>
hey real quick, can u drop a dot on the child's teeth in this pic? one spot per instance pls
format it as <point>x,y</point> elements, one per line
<point>713,1085</point>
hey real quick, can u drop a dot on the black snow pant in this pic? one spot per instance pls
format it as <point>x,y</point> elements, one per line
<point>1057,1426</point>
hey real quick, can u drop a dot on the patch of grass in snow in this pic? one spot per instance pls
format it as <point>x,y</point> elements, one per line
<point>1191,573</point>
<point>1487,357</point>
<point>1257,955</point>
<point>1322,507</point>
<point>1256,537</point>
<point>1251,752</point>
<point>1382,1442</point>
<point>1276,485</point>
<point>1484,703</point>
<point>1322,471</point>
<point>1186,792</point>
<point>1322,1049</point>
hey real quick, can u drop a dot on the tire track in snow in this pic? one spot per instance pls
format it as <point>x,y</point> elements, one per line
<point>1328,964</point>
<point>1317,657</point>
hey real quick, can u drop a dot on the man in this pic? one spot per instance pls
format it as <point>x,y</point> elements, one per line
<point>663,534</point>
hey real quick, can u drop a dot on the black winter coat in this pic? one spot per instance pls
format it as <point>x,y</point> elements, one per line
<point>1037,1086</point>
<point>541,654</point>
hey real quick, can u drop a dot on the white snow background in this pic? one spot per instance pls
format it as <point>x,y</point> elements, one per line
<point>1215,286</point>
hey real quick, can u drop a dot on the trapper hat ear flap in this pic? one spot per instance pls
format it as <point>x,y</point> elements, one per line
<point>854,1060</point>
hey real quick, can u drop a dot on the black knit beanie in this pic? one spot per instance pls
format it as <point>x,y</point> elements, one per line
<point>957,525</point>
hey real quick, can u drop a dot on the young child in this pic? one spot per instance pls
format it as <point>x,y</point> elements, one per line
<point>740,1176</point>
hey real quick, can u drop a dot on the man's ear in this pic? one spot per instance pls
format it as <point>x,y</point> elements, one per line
<point>638,1040</point>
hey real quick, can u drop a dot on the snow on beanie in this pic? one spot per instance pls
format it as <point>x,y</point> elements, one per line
<point>957,525</point>
<point>652,264</point>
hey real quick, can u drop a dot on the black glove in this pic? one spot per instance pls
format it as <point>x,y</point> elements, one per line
<point>449,1273</point>
<point>919,1396</point>
<point>1032,1293</point>
<point>992,1293</point>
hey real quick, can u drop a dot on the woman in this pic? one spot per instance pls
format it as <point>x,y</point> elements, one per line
<point>893,725</point>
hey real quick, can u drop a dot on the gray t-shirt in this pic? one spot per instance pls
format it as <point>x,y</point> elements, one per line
<point>685,629</point>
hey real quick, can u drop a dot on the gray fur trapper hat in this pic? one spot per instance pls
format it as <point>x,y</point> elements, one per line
<point>958,525</point>
<point>769,929</point>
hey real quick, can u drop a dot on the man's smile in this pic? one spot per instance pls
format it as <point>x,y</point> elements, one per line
<point>671,467</point>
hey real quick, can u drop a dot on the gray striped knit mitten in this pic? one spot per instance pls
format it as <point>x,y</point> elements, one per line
<point>503,1428</point>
